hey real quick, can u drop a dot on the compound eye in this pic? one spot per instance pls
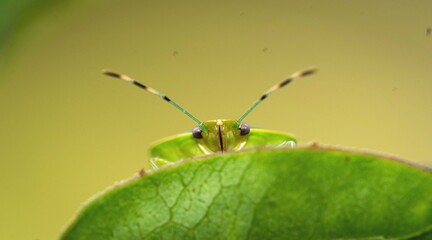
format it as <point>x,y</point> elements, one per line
<point>244,128</point>
<point>197,132</point>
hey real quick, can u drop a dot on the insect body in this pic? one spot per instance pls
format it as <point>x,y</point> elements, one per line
<point>215,135</point>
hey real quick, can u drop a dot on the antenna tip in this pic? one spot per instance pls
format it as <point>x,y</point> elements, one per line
<point>110,73</point>
<point>309,71</point>
<point>117,75</point>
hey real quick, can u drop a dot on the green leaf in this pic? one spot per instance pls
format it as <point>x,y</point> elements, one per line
<point>309,193</point>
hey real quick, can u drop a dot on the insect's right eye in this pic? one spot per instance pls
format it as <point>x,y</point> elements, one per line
<point>197,132</point>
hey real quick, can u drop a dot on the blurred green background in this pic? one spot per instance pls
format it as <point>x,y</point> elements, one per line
<point>67,132</point>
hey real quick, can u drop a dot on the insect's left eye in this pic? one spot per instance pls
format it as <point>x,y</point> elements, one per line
<point>244,128</point>
<point>197,132</point>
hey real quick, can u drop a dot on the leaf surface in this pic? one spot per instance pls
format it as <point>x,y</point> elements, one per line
<point>305,193</point>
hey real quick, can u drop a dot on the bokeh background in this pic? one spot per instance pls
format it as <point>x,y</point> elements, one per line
<point>68,132</point>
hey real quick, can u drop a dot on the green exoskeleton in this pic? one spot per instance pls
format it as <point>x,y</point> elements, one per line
<point>215,135</point>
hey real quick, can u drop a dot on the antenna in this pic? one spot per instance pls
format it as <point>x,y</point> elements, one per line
<point>280,85</point>
<point>153,91</point>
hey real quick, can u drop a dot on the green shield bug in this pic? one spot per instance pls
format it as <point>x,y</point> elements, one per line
<point>215,135</point>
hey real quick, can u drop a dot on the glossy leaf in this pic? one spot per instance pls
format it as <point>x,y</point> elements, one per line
<point>308,193</point>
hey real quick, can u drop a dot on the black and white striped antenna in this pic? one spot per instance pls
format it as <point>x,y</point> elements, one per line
<point>278,86</point>
<point>153,91</point>
<point>274,88</point>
